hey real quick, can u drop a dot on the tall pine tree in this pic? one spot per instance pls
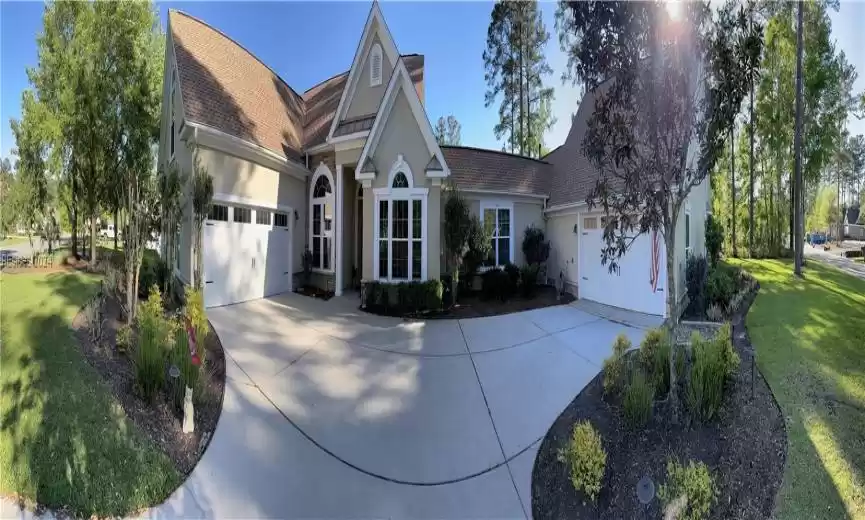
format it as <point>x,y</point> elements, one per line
<point>516,69</point>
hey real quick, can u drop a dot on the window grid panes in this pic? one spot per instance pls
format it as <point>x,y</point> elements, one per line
<point>322,187</point>
<point>497,222</point>
<point>218,212</point>
<point>242,215</point>
<point>262,216</point>
<point>400,181</point>
<point>400,252</point>
<point>280,220</point>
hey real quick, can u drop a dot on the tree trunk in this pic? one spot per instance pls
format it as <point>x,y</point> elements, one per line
<point>672,315</point>
<point>751,173</point>
<point>797,145</point>
<point>522,91</point>
<point>93,238</point>
<point>733,188</point>
<point>116,226</point>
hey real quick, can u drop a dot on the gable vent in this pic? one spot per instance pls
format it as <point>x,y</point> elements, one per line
<point>375,65</point>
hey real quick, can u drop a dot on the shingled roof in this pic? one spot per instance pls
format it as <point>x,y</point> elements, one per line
<point>226,87</point>
<point>491,170</point>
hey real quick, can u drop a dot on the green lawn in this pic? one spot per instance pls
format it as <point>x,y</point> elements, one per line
<point>810,339</point>
<point>65,442</point>
<point>12,241</point>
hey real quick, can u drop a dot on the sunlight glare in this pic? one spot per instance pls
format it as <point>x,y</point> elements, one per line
<point>674,9</point>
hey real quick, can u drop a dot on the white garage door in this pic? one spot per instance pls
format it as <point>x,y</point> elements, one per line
<point>632,287</point>
<point>247,254</point>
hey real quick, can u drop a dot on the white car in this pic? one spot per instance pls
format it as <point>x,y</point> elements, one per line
<point>107,231</point>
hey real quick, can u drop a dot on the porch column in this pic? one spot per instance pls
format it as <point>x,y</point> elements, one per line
<point>337,217</point>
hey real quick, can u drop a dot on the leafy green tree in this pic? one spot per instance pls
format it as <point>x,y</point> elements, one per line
<point>646,120</point>
<point>515,71</point>
<point>33,195</point>
<point>447,131</point>
<point>202,197</point>
<point>8,211</point>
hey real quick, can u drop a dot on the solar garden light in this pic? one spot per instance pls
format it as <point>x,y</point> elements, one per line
<point>174,376</point>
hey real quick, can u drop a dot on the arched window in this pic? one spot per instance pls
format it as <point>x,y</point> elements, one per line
<point>399,181</point>
<point>322,187</point>
<point>375,66</point>
<point>321,218</point>
<point>400,231</point>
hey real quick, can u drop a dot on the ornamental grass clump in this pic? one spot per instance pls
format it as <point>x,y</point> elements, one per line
<point>637,401</point>
<point>585,459</point>
<point>615,367</point>
<point>195,313</point>
<point>655,359</point>
<point>714,363</point>
<point>149,354</point>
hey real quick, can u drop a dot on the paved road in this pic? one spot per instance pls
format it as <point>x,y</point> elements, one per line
<point>845,264</point>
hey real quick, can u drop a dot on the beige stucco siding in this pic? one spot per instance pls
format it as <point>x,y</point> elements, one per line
<point>527,212</point>
<point>367,98</point>
<point>258,185</point>
<point>401,135</point>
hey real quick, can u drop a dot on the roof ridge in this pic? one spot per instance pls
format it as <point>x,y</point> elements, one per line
<point>235,42</point>
<point>322,82</point>
<point>500,152</point>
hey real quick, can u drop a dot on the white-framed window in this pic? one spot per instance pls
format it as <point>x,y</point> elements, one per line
<point>280,219</point>
<point>498,219</point>
<point>321,217</point>
<point>375,65</point>
<point>590,222</point>
<point>688,249</point>
<point>218,212</point>
<point>262,216</point>
<point>400,233</point>
<point>241,215</point>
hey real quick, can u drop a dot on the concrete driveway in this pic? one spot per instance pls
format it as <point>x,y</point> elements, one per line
<point>330,412</point>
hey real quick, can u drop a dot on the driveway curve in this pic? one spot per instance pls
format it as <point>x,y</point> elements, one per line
<point>330,411</point>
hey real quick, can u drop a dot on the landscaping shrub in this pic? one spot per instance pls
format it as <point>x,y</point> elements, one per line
<point>715,312</point>
<point>478,246</point>
<point>124,338</point>
<point>614,366</point>
<point>149,355</point>
<point>637,401</point>
<point>713,361</point>
<point>696,270</point>
<point>714,239</point>
<point>497,284</point>
<point>655,358</point>
<point>403,298</point>
<point>197,316</point>
<point>153,271</point>
<point>529,279</point>
<point>456,225</point>
<point>513,273</point>
<point>190,369</point>
<point>694,482</point>
<point>723,342</point>
<point>535,248</point>
<point>720,286</point>
<point>585,459</point>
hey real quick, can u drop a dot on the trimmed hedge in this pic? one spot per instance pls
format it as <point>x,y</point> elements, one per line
<point>403,298</point>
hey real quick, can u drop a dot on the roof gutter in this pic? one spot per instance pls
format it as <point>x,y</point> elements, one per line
<point>561,207</point>
<point>505,193</point>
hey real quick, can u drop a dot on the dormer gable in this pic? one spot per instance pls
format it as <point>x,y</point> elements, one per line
<point>374,62</point>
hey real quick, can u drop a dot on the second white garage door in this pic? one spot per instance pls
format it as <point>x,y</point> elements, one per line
<point>637,286</point>
<point>247,254</point>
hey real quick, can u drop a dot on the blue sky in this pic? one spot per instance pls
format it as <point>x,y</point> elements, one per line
<point>308,42</point>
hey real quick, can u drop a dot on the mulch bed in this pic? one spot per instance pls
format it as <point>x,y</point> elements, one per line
<point>471,305</point>
<point>161,420</point>
<point>314,292</point>
<point>744,448</point>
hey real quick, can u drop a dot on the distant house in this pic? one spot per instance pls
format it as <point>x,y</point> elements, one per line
<point>350,170</point>
<point>852,228</point>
